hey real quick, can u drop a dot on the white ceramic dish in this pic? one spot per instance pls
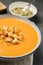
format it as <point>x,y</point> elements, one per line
<point>39,38</point>
<point>22,4</point>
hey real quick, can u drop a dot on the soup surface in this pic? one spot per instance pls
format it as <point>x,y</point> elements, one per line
<point>25,46</point>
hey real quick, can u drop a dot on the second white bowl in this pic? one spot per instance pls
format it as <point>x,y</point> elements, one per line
<point>22,4</point>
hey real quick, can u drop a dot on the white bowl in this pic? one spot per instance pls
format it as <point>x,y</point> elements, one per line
<point>31,23</point>
<point>22,4</point>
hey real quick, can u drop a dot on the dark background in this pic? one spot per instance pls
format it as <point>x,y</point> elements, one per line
<point>38,19</point>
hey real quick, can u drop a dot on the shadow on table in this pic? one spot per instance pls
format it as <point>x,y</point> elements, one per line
<point>38,57</point>
<point>35,19</point>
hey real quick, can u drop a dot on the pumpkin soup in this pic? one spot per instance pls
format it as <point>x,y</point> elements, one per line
<point>16,37</point>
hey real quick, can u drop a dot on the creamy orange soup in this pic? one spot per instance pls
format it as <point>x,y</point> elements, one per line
<point>24,47</point>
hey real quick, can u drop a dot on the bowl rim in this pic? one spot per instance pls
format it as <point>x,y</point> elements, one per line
<point>21,15</point>
<point>38,33</point>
